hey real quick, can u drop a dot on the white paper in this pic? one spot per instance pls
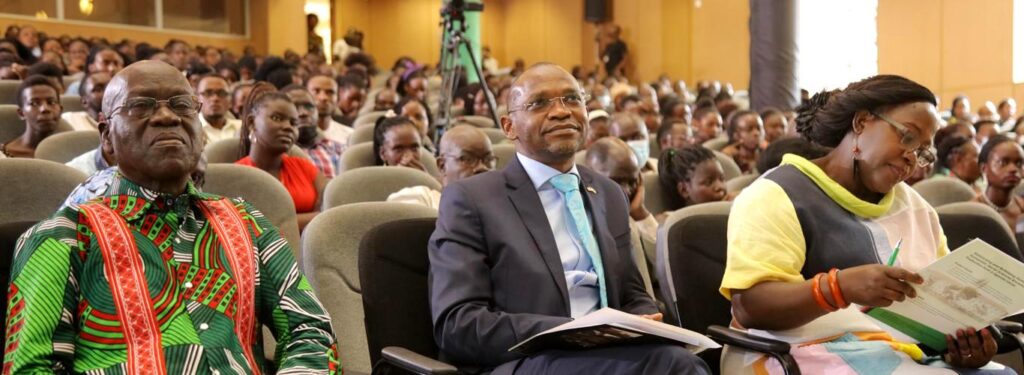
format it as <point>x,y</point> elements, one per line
<point>609,316</point>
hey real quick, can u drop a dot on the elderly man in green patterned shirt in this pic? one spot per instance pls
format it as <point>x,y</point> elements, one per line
<point>154,276</point>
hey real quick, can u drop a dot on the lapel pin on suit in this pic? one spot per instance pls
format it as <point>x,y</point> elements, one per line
<point>591,190</point>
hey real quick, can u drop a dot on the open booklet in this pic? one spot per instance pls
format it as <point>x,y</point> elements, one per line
<point>974,286</point>
<point>608,327</point>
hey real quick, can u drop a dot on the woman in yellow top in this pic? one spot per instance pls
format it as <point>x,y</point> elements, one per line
<point>807,241</point>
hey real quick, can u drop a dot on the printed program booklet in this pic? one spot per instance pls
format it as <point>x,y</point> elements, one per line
<point>608,327</point>
<point>974,286</point>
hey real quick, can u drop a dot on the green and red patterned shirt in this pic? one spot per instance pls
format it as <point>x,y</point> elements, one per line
<point>62,316</point>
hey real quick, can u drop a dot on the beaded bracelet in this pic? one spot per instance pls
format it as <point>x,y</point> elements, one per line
<point>833,284</point>
<point>819,297</point>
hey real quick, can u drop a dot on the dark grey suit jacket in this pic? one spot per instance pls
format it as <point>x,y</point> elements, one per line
<point>495,274</point>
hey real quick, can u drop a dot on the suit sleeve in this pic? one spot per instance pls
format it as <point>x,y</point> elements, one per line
<point>634,298</point>
<point>467,328</point>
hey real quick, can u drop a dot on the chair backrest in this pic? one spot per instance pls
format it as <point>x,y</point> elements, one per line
<point>261,190</point>
<point>656,197</point>
<point>34,189</point>
<point>330,251</point>
<point>226,151</point>
<point>740,182</point>
<point>495,135</point>
<point>504,152</point>
<point>691,261</point>
<point>716,144</point>
<point>9,91</point>
<point>361,134</point>
<point>12,126</point>
<point>373,184</point>
<point>367,119</point>
<point>478,121</point>
<point>942,190</point>
<point>71,103</point>
<point>393,269</point>
<point>361,156</point>
<point>965,221</point>
<point>581,157</point>
<point>62,147</point>
<point>730,169</point>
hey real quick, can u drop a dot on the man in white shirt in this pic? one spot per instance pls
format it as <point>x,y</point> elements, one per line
<point>91,91</point>
<point>613,158</point>
<point>325,91</point>
<point>465,152</point>
<point>213,93</point>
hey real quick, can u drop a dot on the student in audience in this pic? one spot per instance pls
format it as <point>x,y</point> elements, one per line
<point>214,95</point>
<point>350,98</point>
<point>324,153</point>
<point>674,133</point>
<point>50,71</point>
<point>707,125</point>
<point>985,129</point>
<point>268,132</point>
<point>490,289</point>
<point>228,71</point>
<point>384,100</point>
<point>775,124</point>
<point>100,59</point>
<point>1018,130</point>
<point>796,226</point>
<point>772,156</point>
<point>692,175</point>
<point>11,66</point>
<point>960,110</point>
<point>418,112</point>
<point>170,228</point>
<point>1007,111</point>
<point>614,159</point>
<point>987,111</point>
<point>278,72</point>
<point>957,157</point>
<point>676,109</point>
<point>413,84</point>
<point>90,90</point>
<point>1001,160</point>
<point>39,107</point>
<point>598,121</point>
<point>397,141</point>
<point>465,152</point>
<point>238,95</point>
<point>78,52</point>
<point>631,129</point>
<point>325,92</point>
<point>177,53</point>
<point>746,137</point>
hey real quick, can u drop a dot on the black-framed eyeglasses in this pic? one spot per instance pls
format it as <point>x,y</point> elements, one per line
<point>140,108</point>
<point>577,100</point>
<point>909,140</point>
<point>465,159</point>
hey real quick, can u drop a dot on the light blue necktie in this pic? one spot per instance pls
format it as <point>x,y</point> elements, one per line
<point>568,184</point>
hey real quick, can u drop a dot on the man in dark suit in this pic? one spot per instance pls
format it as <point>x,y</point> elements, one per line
<point>525,249</point>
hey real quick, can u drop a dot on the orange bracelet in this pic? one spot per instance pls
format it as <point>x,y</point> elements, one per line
<point>833,284</point>
<point>819,297</point>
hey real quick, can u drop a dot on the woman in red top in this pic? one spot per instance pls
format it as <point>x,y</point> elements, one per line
<point>268,133</point>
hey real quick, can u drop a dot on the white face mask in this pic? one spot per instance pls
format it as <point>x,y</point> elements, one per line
<point>606,101</point>
<point>642,150</point>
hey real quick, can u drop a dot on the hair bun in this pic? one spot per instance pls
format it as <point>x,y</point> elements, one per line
<point>807,112</point>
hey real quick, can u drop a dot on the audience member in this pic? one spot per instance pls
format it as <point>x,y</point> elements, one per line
<point>228,71</point>
<point>960,110</point>
<point>489,290</point>
<point>268,132</point>
<point>746,137</point>
<point>100,59</point>
<point>987,111</point>
<point>397,141</point>
<point>795,227</point>
<point>598,121</point>
<point>1001,161</point>
<point>157,150</point>
<point>324,153</point>
<point>775,125</point>
<point>676,109</point>
<point>384,100</point>
<point>78,52</point>
<point>238,95</point>
<point>614,54</point>
<point>614,159</point>
<point>631,129</point>
<point>177,53</point>
<point>674,133</point>
<point>772,156</point>
<point>49,71</point>
<point>351,94</point>
<point>90,90</point>
<point>278,72</point>
<point>984,129</point>
<point>39,107</point>
<point>1007,111</point>
<point>215,117</point>
<point>692,175</point>
<point>957,157</point>
<point>707,125</point>
<point>325,92</point>
<point>413,84</point>
<point>418,112</point>
<point>465,151</point>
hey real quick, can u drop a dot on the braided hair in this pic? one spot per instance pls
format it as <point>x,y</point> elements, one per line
<point>948,147</point>
<point>828,116</point>
<point>262,92</point>
<point>381,128</point>
<point>677,166</point>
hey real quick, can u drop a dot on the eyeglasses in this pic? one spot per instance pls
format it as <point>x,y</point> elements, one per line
<point>925,154</point>
<point>142,107</point>
<point>572,101</point>
<point>212,93</point>
<point>488,160</point>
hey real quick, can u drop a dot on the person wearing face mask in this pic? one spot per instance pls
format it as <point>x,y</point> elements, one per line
<point>630,128</point>
<point>613,158</point>
<point>323,152</point>
<point>269,130</point>
<point>465,152</point>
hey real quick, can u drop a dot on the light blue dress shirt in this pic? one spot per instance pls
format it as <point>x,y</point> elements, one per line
<point>580,277</point>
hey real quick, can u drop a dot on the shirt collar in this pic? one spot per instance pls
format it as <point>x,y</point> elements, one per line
<point>539,172</point>
<point>123,188</point>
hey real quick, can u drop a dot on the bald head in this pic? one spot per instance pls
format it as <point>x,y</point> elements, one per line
<point>136,74</point>
<point>465,151</point>
<point>541,69</point>
<point>547,117</point>
<point>613,158</point>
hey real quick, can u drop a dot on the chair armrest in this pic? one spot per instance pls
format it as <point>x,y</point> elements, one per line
<point>1007,326</point>
<point>414,362</point>
<point>724,335</point>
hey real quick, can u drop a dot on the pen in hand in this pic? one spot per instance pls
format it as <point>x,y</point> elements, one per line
<point>895,252</point>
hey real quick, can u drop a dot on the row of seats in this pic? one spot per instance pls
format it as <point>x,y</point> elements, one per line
<point>9,89</point>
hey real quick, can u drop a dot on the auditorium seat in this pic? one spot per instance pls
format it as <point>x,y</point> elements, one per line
<point>393,271</point>
<point>730,169</point>
<point>12,126</point>
<point>643,255</point>
<point>373,184</point>
<point>656,197</point>
<point>330,251</point>
<point>62,147</point>
<point>716,144</point>
<point>261,190</point>
<point>34,189</point>
<point>361,135</point>
<point>496,135</point>
<point>737,184</point>
<point>368,119</point>
<point>655,147</point>
<point>478,121</point>
<point>361,156</point>
<point>71,103</point>
<point>226,151</point>
<point>965,221</point>
<point>581,157</point>
<point>504,152</point>
<point>9,91</point>
<point>942,190</point>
